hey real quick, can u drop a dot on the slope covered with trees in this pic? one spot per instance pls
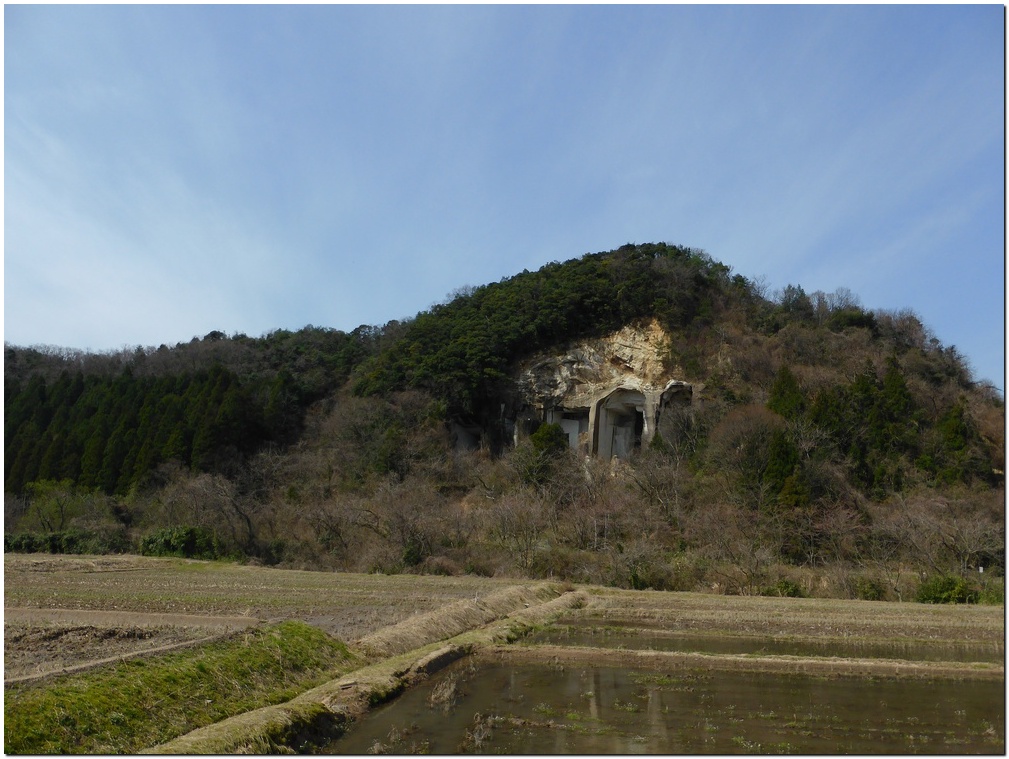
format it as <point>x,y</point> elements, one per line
<point>828,442</point>
<point>108,421</point>
<point>463,351</point>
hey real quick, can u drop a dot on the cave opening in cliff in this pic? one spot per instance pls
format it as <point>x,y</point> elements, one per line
<point>620,423</point>
<point>575,422</point>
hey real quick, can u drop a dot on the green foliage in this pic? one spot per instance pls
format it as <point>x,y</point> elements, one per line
<point>848,318</point>
<point>946,589</point>
<point>992,593</point>
<point>894,416</point>
<point>785,589</point>
<point>184,542</point>
<point>786,397</point>
<point>869,589</point>
<point>415,550</point>
<point>782,465</point>
<point>23,542</point>
<point>877,423</point>
<point>69,541</point>
<point>795,304</point>
<point>58,506</point>
<point>795,492</point>
<point>793,307</point>
<point>532,466</point>
<point>752,448</point>
<point>953,453</point>
<point>141,703</point>
<point>549,439</point>
<point>537,460</point>
<point>107,421</point>
<point>462,350</point>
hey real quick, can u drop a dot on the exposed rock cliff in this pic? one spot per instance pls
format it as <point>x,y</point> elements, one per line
<point>606,393</point>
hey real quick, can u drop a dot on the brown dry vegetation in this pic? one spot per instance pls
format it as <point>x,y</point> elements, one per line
<point>374,485</point>
<point>693,516</point>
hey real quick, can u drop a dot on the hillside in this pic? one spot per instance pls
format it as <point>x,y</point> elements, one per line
<point>816,435</point>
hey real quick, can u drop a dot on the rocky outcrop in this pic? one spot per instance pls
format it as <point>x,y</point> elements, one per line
<point>607,394</point>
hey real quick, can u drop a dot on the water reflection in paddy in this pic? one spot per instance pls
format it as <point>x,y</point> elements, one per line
<point>493,706</point>
<point>657,640</point>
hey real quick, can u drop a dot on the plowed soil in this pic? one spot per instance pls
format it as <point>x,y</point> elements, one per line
<point>32,651</point>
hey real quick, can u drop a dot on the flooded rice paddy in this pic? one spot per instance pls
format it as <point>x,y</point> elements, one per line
<point>624,637</point>
<point>658,674</point>
<point>503,705</point>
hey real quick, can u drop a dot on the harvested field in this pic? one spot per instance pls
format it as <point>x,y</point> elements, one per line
<point>823,666</point>
<point>66,612</point>
<point>348,606</point>
<point>794,617</point>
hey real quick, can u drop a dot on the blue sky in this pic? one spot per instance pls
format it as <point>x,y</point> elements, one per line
<point>173,170</point>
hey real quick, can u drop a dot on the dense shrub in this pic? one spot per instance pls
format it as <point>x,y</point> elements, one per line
<point>785,589</point>
<point>549,439</point>
<point>993,593</point>
<point>440,565</point>
<point>869,589</point>
<point>22,542</point>
<point>946,589</point>
<point>184,542</point>
<point>68,541</point>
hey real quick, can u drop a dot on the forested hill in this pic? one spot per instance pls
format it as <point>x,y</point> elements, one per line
<point>108,420</point>
<point>463,351</point>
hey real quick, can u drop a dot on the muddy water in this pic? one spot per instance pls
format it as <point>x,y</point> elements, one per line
<point>506,706</point>
<point>614,637</point>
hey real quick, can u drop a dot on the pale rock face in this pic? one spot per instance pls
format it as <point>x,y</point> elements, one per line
<point>607,393</point>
